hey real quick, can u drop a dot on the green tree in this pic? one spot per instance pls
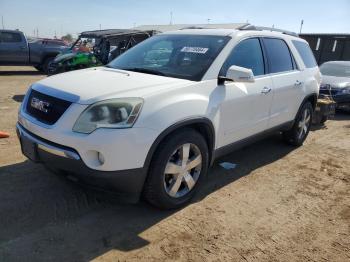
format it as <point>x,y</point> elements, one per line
<point>68,38</point>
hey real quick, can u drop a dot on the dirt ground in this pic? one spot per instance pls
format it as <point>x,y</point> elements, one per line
<point>278,204</point>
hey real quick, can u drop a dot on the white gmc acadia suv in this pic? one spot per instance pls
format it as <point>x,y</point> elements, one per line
<point>154,119</point>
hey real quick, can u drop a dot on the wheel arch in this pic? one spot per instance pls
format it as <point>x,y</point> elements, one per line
<point>202,125</point>
<point>48,55</point>
<point>312,98</point>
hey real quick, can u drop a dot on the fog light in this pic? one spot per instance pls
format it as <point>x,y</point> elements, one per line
<point>101,158</point>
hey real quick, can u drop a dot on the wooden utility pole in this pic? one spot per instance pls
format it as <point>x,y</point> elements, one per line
<point>301,25</point>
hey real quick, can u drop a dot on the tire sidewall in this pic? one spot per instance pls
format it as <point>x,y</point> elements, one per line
<point>166,149</point>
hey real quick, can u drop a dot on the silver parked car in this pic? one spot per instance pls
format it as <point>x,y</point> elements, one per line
<point>336,82</point>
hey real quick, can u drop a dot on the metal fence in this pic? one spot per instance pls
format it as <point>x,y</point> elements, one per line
<point>329,47</point>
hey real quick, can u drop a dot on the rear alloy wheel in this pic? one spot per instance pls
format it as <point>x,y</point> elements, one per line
<point>304,124</point>
<point>298,133</point>
<point>177,168</point>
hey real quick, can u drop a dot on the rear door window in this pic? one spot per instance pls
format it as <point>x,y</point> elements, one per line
<point>8,37</point>
<point>279,56</point>
<point>246,54</point>
<point>306,54</point>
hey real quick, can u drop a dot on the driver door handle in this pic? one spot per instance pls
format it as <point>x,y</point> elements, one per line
<point>266,90</point>
<point>298,83</point>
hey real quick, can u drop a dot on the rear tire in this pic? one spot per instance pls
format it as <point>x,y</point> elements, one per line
<point>45,65</point>
<point>178,166</point>
<point>39,68</point>
<point>323,119</point>
<point>300,130</point>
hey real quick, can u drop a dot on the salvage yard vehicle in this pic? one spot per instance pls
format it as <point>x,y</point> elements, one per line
<point>151,125</point>
<point>336,82</point>
<point>325,109</point>
<point>96,48</point>
<point>16,50</point>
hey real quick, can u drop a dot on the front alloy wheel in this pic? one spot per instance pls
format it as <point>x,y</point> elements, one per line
<point>177,168</point>
<point>182,170</point>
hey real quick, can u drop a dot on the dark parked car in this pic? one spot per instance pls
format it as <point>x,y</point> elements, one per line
<point>336,82</point>
<point>15,49</point>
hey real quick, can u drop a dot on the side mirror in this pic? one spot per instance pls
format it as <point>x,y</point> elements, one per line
<point>239,74</point>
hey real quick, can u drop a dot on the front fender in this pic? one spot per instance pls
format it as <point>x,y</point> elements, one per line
<point>164,112</point>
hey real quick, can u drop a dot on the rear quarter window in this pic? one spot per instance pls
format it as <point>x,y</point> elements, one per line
<point>305,53</point>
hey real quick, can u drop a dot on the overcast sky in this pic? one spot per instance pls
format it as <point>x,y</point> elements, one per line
<point>74,16</point>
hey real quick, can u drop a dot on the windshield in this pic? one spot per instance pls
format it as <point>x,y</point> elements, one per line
<point>179,56</point>
<point>335,70</point>
<point>84,45</point>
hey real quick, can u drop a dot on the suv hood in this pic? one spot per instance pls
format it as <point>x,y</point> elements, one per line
<point>88,86</point>
<point>336,82</point>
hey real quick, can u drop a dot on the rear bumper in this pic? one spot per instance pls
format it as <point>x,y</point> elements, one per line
<point>127,184</point>
<point>342,99</point>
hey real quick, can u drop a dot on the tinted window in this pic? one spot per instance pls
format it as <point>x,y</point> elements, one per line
<point>179,56</point>
<point>305,53</point>
<point>279,57</point>
<point>8,37</point>
<point>246,54</point>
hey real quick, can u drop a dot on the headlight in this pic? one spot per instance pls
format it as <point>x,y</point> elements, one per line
<point>113,113</point>
<point>346,91</point>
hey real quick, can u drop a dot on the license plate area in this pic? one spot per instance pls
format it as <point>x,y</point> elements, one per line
<point>29,148</point>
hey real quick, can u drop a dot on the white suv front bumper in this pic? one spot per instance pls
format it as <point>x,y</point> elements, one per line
<point>121,149</point>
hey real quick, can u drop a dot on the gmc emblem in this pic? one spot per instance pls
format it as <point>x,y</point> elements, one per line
<point>40,105</point>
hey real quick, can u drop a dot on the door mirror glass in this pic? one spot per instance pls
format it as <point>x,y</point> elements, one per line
<point>239,74</point>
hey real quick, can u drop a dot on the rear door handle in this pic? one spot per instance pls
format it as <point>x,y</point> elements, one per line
<point>266,90</point>
<point>298,83</point>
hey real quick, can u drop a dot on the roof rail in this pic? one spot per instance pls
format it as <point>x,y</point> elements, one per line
<point>261,28</point>
<point>192,27</point>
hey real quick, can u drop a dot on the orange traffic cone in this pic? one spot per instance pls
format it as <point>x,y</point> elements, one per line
<point>4,134</point>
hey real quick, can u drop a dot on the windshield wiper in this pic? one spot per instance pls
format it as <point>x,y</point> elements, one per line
<point>145,70</point>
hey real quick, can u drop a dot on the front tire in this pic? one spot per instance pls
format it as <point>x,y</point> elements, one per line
<point>177,169</point>
<point>300,130</point>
